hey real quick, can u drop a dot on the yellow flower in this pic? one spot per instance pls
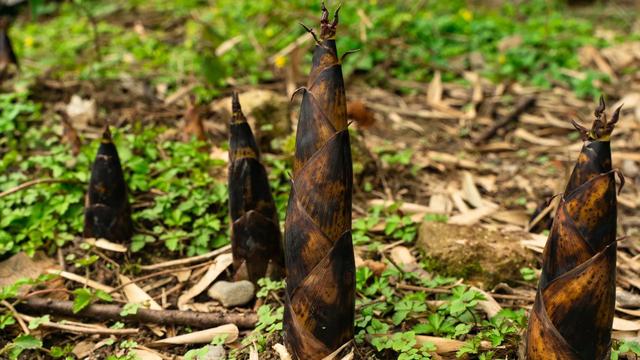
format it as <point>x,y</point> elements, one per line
<point>28,41</point>
<point>466,14</point>
<point>502,59</point>
<point>280,61</point>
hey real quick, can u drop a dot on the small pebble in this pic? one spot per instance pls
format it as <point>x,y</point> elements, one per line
<point>215,353</point>
<point>630,168</point>
<point>232,293</point>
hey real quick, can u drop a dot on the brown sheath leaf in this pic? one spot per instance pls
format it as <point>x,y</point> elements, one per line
<point>319,309</point>
<point>255,231</point>
<point>574,307</point>
<point>107,210</point>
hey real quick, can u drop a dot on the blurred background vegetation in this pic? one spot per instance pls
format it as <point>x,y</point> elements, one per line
<point>230,42</point>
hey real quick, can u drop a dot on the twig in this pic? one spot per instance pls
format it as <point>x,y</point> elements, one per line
<point>546,211</point>
<point>13,311</point>
<point>166,293</point>
<point>105,312</point>
<point>45,291</point>
<point>94,28</point>
<point>189,260</point>
<point>289,48</point>
<point>159,273</point>
<point>448,291</point>
<point>413,113</point>
<point>422,288</point>
<point>36,182</point>
<point>520,109</point>
<point>82,280</point>
<point>85,329</point>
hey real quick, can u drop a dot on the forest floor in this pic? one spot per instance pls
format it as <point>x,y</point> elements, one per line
<point>452,165</point>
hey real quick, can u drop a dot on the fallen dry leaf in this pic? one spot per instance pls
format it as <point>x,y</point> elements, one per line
<point>221,263</point>
<point>204,336</point>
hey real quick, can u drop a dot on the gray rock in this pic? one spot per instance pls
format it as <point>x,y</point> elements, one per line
<point>232,293</point>
<point>630,168</point>
<point>215,353</point>
<point>627,299</point>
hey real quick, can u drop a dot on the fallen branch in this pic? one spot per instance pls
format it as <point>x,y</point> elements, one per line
<point>86,329</point>
<point>159,273</point>
<point>31,183</point>
<point>15,314</point>
<point>448,291</point>
<point>520,109</point>
<point>79,279</point>
<point>188,260</point>
<point>37,305</point>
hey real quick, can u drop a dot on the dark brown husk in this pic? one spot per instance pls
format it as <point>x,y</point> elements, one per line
<point>573,312</point>
<point>255,232</point>
<point>319,308</point>
<point>107,210</point>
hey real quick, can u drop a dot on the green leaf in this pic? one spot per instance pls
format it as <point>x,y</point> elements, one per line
<point>83,298</point>
<point>117,325</point>
<point>129,309</point>
<point>139,241</point>
<point>104,296</point>
<point>58,352</point>
<point>27,342</point>
<point>36,322</point>
<point>197,354</point>
<point>6,320</point>
<point>23,342</point>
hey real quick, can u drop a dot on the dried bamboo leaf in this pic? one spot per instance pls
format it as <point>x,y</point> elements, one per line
<point>107,210</point>
<point>136,295</point>
<point>105,244</point>
<point>230,331</point>
<point>574,308</point>
<point>221,263</point>
<point>320,296</point>
<point>82,280</point>
<point>255,232</point>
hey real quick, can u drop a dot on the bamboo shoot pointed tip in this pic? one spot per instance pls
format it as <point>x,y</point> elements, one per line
<point>601,107</point>
<point>616,115</point>
<point>106,135</point>
<point>336,17</point>
<point>236,109</point>
<point>310,31</point>
<point>603,128</point>
<point>584,132</point>
<point>328,28</point>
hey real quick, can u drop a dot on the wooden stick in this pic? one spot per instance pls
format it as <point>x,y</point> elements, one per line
<point>37,305</point>
<point>84,328</point>
<point>160,273</point>
<point>520,109</point>
<point>15,314</point>
<point>84,281</point>
<point>189,260</point>
<point>448,291</point>
<point>36,182</point>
